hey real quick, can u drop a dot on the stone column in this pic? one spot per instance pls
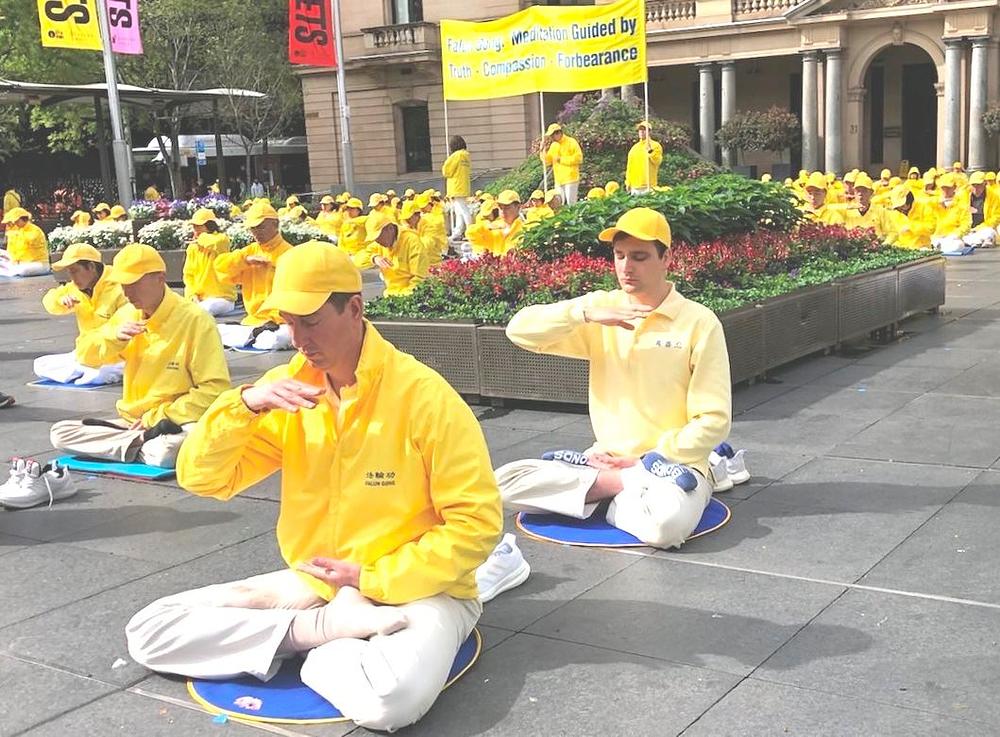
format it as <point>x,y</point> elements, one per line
<point>628,92</point>
<point>706,109</point>
<point>810,114</point>
<point>952,101</point>
<point>978,87</point>
<point>834,112</point>
<point>728,105</point>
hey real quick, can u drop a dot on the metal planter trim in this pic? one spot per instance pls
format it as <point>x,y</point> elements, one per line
<point>922,286</point>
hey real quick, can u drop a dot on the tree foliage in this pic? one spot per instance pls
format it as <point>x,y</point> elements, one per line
<point>773,130</point>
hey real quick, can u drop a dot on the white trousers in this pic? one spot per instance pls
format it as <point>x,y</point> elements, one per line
<point>982,237</point>
<point>461,217</point>
<point>640,190</point>
<point>660,513</point>
<point>64,368</point>
<point>216,306</point>
<point>22,268</point>
<point>231,629</point>
<point>569,192</point>
<point>948,244</point>
<point>117,444</point>
<point>236,336</point>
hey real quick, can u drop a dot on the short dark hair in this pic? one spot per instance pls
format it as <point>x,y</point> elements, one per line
<point>457,143</point>
<point>211,226</point>
<point>661,248</point>
<point>339,300</point>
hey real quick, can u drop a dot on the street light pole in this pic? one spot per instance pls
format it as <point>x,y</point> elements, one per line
<point>347,153</point>
<point>118,146</point>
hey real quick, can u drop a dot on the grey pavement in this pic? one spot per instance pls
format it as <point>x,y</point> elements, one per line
<point>854,592</point>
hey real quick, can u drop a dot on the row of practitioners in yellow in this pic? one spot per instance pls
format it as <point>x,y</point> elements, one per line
<point>351,416</point>
<point>945,210</point>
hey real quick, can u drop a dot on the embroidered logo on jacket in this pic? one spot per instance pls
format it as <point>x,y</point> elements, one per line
<point>380,478</point>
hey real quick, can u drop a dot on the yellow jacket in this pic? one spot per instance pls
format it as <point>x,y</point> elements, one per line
<point>151,194</point>
<point>27,243</point>
<point>953,220</point>
<point>330,222</point>
<point>827,214</point>
<point>431,229</point>
<point>457,170</point>
<point>394,477</point>
<point>352,234</point>
<point>538,214</point>
<point>232,269</point>
<point>495,237</point>
<point>200,278</point>
<point>92,311</point>
<point>664,386</point>
<point>410,262</point>
<point>876,218</point>
<point>990,207</point>
<point>173,370</point>
<point>643,167</point>
<point>909,231</point>
<point>569,154</point>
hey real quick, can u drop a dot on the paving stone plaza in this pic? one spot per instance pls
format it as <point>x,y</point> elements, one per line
<point>854,591</point>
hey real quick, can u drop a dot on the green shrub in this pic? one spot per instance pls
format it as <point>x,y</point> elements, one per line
<point>702,210</point>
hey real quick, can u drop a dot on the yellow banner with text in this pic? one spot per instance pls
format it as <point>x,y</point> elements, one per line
<point>545,49</point>
<point>70,24</point>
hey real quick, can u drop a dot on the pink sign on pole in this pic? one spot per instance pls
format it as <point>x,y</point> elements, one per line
<point>123,16</point>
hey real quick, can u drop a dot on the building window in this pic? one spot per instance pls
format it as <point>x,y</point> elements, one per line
<point>407,11</point>
<point>416,137</point>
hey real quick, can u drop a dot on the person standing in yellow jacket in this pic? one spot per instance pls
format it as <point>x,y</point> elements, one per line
<point>642,170</point>
<point>352,230</point>
<point>660,395</point>
<point>349,420</point>
<point>93,299</point>
<point>252,269</point>
<point>563,153</point>
<point>457,171</point>
<point>201,281</point>
<point>399,254</point>
<point>174,368</point>
<point>27,251</point>
<point>329,219</point>
<point>984,207</point>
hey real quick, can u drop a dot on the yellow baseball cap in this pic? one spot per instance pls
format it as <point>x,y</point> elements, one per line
<point>76,252</point>
<point>642,124</point>
<point>508,197</point>
<point>551,195</point>
<point>327,200</point>
<point>765,177</point>
<point>977,177</point>
<point>947,180</point>
<point>16,213</point>
<point>291,200</point>
<point>957,165</point>
<point>297,212</point>
<point>117,211</point>
<point>913,170</point>
<point>342,198</point>
<point>102,207</point>
<point>410,192</point>
<point>537,195</point>
<point>422,200</point>
<point>390,193</point>
<point>135,261</point>
<point>863,181</point>
<point>374,226</point>
<point>850,177</point>
<point>202,215</point>
<point>596,193</point>
<point>885,174</point>
<point>612,187</point>
<point>354,202</point>
<point>991,176</point>
<point>80,216</point>
<point>258,213</point>
<point>408,210</point>
<point>377,199</point>
<point>554,128</point>
<point>642,223</point>
<point>307,275</point>
<point>816,180</point>
<point>898,197</point>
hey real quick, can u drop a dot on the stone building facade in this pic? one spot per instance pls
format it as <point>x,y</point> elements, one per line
<point>876,83</point>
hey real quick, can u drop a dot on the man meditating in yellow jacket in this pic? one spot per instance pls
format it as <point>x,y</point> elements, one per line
<point>660,395</point>
<point>388,506</point>
<point>174,368</point>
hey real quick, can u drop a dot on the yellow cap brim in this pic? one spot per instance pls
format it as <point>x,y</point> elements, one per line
<point>64,262</point>
<point>124,277</point>
<point>254,222</point>
<point>608,234</point>
<point>295,302</point>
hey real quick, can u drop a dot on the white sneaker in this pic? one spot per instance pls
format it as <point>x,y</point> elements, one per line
<point>37,485</point>
<point>17,469</point>
<point>719,467</point>
<point>737,467</point>
<point>505,569</point>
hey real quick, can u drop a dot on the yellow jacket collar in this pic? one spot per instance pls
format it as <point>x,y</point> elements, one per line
<point>671,304</point>
<point>166,308</point>
<point>374,351</point>
<point>275,242</point>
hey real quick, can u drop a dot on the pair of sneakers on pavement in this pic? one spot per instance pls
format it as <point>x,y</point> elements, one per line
<point>30,484</point>
<point>506,567</point>
<point>728,467</point>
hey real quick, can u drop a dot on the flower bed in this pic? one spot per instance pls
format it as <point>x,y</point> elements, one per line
<point>102,236</point>
<point>170,235</point>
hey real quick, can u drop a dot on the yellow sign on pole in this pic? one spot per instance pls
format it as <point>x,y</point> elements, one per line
<point>70,24</point>
<point>545,49</point>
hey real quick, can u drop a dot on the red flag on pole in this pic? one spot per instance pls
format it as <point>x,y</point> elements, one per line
<point>310,33</point>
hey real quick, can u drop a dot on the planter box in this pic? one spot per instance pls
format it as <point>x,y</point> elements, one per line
<point>744,328</point>
<point>451,349</point>
<point>867,303</point>
<point>174,261</point>
<point>509,372</point>
<point>799,323</point>
<point>921,286</point>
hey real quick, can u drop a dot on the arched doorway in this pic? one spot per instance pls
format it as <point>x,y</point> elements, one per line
<point>900,117</point>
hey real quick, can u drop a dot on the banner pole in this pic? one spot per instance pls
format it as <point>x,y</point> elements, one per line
<point>347,151</point>
<point>447,137</point>
<point>119,148</point>
<point>649,146</point>
<point>541,120</point>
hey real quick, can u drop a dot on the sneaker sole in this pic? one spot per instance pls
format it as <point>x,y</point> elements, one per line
<point>740,478</point>
<point>18,504</point>
<point>512,580</point>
